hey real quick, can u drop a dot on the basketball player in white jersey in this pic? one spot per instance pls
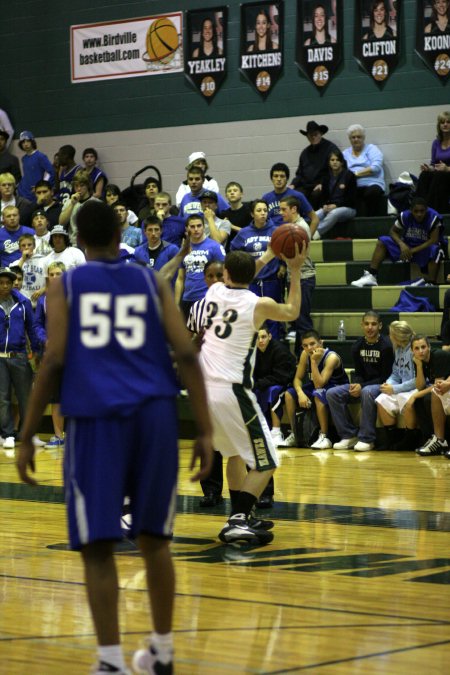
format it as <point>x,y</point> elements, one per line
<point>232,319</point>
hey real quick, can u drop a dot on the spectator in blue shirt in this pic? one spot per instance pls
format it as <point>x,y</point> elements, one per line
<point>130,235</point>
<point>10,234</point>
<point>279,175</point>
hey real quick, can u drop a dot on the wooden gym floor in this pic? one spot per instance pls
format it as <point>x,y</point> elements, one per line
<point>356,580</point>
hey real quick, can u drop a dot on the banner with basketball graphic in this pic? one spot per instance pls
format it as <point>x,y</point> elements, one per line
<point>150,45</point>
<point>433,36</point>
<point>377,39</point>
<point>205,57</point>
<point>319,40</point>
<point>261,57</point>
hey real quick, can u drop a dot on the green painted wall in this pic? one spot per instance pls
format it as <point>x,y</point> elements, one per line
<point>36,91</point>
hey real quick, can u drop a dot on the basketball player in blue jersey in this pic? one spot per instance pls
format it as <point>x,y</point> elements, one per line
<point>241,434</point>
<point>108,324</point>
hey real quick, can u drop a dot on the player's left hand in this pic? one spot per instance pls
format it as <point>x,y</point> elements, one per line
<point>25,462</point>
<point>203,450</point>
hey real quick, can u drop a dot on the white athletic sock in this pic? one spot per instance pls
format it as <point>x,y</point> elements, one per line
<point>113,655</point>
<point>163,643</point>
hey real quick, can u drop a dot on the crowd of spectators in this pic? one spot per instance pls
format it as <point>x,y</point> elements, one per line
<point>40,202</point>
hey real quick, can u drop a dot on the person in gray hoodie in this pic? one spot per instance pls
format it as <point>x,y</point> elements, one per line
<point>398,389</point>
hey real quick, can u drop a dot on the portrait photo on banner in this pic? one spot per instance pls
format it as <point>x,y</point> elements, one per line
<point>377,37</point>
<point>319,40</point>
<point>262,44</point>
<point>205,49</point>
<point>319,23</point>
<point>433,36</point>
<point>262,27</point>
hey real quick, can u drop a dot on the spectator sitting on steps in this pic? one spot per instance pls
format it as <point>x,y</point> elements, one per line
<point>416,236</point>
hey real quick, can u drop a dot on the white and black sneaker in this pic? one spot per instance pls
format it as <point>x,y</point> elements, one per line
<point>259,523</point>
<point>238,529</point>
<point>367,279</point>
<point>434,446</point>
<point>146,661</point>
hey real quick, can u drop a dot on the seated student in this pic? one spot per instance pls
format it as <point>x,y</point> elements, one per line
<point>416,236</point>
<point>239,213</point>
<point>46,202</point>
<point>32,265</point>
<point>279,175</point>
<point>113,195</point>
<point>155,252</point>
<point>40,224</point>
<point>98,177</point>
<point>324,369</point>
<point>440,409</point>
<point>373,359</point>
<point>337,195</point>
<point>398,388</point>
<point>82,192</point>
<point>433,383</point>
<point>71,256</point>
<point>274,370</point>
<point>147,207</point>
<point>10,234</point>
<point>130,235</point>
<point>173,226</point>
<point>190,203</point>
<point>8,197</point>
<point>197,159</point>
<point>54,271</point>
<point>216,228</point>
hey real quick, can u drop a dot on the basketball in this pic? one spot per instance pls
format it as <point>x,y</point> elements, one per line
<point>285,237</point>
<point>162,40</point>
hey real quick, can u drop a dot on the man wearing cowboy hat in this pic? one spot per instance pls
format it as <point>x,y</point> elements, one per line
<point>313,162</point>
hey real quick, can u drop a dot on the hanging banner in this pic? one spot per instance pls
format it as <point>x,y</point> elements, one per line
<point>376,37</point>
<point>433,35</point>
<point>205,62</point>
<point>261,55</point>
<point>151,45</point>
<point>319,40</point>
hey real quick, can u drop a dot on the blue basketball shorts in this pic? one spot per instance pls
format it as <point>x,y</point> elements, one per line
<point>109,458</point>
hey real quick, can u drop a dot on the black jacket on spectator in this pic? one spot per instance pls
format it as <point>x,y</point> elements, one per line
<point>313,164</point>
<point>10,164</point>
<point>341,190</point>
<point>373,362</point>
<point>276,365</point>
<point>26,210</point>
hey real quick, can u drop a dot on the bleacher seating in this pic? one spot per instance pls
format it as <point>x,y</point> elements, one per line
<point>340,261</point>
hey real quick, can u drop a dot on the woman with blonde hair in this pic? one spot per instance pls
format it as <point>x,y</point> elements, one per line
<point>398,390</point>
<point>434,179</point>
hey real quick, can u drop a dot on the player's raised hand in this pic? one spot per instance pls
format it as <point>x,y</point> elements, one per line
<point>297,261</point>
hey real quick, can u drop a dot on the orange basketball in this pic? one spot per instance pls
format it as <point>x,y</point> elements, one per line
<point>285,237</point>
<point>162,40</point>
